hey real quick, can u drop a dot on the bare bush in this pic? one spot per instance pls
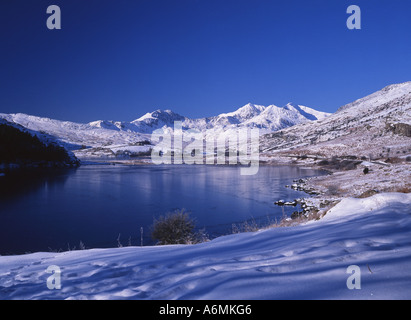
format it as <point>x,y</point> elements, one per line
<point>246,226</point>
<point>176,228</point>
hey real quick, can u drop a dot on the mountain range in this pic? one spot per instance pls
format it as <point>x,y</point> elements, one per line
<point>376,126</point>
<point>267,119</point>
<point>108,138</point>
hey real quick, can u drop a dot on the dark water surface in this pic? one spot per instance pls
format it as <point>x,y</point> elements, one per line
<point>94,204</point>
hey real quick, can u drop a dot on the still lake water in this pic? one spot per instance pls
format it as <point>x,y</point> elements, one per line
<point>44,211</point>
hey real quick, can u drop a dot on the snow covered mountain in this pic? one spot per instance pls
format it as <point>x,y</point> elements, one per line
<point>378,125</point>
<point>156,120</point>
<point>108,138</point>
<point>268,119</point>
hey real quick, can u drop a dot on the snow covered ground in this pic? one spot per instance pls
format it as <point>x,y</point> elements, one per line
<point>309,261</point>
<point>354,183</point>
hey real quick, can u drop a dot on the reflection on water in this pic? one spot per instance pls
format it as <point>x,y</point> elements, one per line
<point>24,181</point>
<point>95,204</point>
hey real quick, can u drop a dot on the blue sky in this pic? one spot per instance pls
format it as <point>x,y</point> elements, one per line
<point>118,59</point>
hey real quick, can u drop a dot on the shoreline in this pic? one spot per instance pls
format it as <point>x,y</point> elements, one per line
<point>353,178</point>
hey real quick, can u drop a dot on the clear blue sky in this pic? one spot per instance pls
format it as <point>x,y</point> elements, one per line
<point>118,59</point>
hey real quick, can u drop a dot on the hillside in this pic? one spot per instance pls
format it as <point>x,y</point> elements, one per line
<point>366,145</point>
<point>377,126</point>
<point>21,147</point>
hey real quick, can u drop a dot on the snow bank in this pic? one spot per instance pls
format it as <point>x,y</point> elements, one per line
<point>305,262</point>
<point>353,206</point>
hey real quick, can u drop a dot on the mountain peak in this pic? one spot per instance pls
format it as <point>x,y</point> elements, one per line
<point>245,112</point>
<point>160,114</point>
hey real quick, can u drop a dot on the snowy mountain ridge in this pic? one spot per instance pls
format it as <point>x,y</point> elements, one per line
<point>378,125</point>
<point>388,93</point>
<point>270,118</point>
<point>106,137</point>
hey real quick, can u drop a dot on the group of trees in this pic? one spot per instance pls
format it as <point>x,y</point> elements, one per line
<point>21,147</point>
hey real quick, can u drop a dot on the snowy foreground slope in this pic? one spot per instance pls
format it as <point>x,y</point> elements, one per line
<point>305,262</point>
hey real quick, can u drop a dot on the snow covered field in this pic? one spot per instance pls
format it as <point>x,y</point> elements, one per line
<point>309,261</point>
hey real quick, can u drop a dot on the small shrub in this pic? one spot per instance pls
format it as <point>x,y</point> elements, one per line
<point>82,246</point>
<point>246,226</point>
<point>176,228</point>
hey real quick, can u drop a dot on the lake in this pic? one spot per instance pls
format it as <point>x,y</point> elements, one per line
<point>97,204</point>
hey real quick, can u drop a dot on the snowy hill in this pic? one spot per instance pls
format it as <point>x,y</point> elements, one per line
<point>378,125</point>
<point>309,261</point>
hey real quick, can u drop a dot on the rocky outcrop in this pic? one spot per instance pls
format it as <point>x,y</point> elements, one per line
<point>401,129</point>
